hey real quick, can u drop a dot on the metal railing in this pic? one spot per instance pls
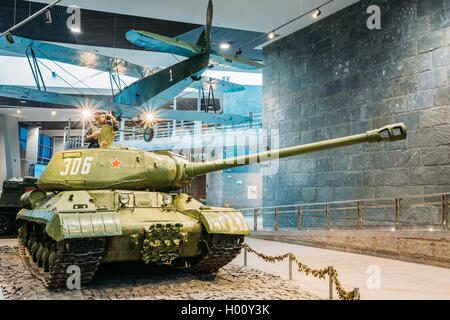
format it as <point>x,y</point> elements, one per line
<point>426,211</point>
<point>182,128</point>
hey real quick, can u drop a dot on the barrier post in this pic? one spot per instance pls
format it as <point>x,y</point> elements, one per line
<point>255,219</point>
<point>245,255</point>
<point>444,212</point>
<point>300,218</point>
<point>330,272</point>
<point>360,215</point>
<point>290,266</point>
<point>356,292</point>
<point>398,207</point>
<point>276,219</point>
<point>327,216</point>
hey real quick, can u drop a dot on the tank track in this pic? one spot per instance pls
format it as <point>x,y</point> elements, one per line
<point>84,253</point>
<point>221,250</point>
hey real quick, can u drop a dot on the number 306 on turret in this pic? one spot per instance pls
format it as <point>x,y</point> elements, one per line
<point>73,165</point>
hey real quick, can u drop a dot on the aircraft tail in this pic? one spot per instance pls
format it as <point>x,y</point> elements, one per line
<point>205,38</point>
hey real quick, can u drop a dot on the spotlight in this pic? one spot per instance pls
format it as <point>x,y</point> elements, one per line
<point>316,13</point>
<point>19,111</point>
<point>75,30</point>
<point>86,113</point>
<point>271,35</point>
<point>47,16</point>
<point>53,112</point>
<point>149,117</point>
<point>225,45</point>
<point>9,37</point>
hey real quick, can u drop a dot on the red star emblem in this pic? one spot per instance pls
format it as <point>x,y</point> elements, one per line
<point>115,163</point>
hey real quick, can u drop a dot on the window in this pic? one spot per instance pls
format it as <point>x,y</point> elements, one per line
<point>23,132</point>
<point>45,149</point>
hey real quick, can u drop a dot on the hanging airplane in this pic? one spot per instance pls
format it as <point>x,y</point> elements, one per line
<point>154,87</point>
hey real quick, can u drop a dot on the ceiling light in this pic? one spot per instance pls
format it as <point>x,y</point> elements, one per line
<point>47,16</point>
<point>316,13</point>
<point>53,112</point>
<point>75,30</point>
<point>225,45</point>
<point>23,101</point>
<point>271,35</point>
<point>9,37</point>
<point>19,111</point>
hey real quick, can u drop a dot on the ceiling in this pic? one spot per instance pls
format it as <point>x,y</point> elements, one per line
<point>105,22</point>
<point>106,29</point>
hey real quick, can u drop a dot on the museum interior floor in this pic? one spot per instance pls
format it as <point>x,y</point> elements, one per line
<point>398,279</point>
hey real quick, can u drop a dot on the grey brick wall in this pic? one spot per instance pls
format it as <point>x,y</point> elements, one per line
<point>337,77</point>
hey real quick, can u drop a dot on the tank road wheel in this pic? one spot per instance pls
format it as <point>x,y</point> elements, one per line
<point>49,260</point>
<point>5,225</point>
<point>218,251</point>
<point>44,260</point>
<point>34,250</point>
<point>39,253</point>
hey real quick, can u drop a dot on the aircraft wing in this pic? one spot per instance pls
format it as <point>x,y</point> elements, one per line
<point>156,42</point>
<point>218,85</point>
<point>234,61</point>
<point>77,57</point>
<point>207,117</point>
<point>128,111</point>
<point>67,100</point>
<point>157,89</point>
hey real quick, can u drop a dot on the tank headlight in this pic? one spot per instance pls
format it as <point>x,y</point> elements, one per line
<point>124,199</point>
<point>168,200</point>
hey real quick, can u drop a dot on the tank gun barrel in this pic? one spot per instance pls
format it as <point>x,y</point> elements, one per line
<point>391,132</point>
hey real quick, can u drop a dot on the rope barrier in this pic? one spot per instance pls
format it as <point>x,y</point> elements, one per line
<point>317,273</point>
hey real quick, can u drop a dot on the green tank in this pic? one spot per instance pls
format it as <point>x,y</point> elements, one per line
<point>116,204</point>
<point>10,203</point>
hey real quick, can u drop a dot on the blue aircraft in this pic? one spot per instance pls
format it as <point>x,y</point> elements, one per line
<point>154,88</point>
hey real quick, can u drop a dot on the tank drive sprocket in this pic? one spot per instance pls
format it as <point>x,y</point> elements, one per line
<point>50,261</point>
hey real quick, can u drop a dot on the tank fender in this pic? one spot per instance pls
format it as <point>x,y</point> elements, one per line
<point>224,221</point>
<point>71,225</point>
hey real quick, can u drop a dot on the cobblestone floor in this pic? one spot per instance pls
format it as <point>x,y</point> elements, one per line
<point>138,281</point>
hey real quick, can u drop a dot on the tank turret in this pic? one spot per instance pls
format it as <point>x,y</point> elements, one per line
<point>122,168</point>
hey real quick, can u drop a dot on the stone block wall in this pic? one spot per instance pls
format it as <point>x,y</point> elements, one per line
<point>336,78</point>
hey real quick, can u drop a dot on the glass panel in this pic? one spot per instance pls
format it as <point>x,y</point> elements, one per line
<point>23,146</point>
<point>38,169</point>
<point>46,153</point>
<point>47,141</point>
<point>23,133</point>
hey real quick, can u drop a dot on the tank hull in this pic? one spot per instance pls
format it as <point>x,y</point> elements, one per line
<point>124,225</point>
